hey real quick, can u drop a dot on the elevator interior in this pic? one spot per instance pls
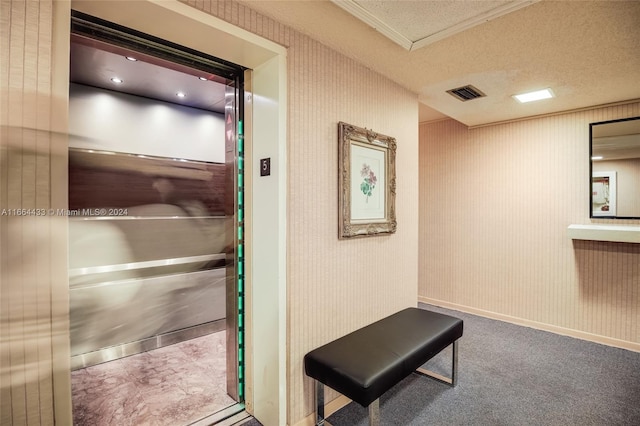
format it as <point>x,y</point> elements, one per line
<point>147,272</point>
<point>153,200</point>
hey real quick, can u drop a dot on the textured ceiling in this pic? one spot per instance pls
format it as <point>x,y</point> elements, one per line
<point>414,24</point>
<point>586,51</point>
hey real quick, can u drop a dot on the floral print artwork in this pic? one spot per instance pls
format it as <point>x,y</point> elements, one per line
<point>369,182</point>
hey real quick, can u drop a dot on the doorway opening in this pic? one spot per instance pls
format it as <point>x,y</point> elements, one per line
<point>156,229</point>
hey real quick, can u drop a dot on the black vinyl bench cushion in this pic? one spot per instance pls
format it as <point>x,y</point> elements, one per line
<point>367,362</point>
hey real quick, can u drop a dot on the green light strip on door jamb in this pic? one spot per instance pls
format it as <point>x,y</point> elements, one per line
<point>240,264</point>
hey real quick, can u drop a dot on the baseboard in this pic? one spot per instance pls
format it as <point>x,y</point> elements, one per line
<point>609,341</point>
<point>329,408</point>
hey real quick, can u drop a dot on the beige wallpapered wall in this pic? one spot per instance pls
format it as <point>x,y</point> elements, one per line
<point>336,286</point>
<point>333,286</point>
<point>495,204</point>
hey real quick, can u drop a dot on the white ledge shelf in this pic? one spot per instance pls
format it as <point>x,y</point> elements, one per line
<point>614,233</point>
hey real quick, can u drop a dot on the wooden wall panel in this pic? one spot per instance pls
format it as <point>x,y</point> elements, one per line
<point>125,181</point>
<point>495,204</point>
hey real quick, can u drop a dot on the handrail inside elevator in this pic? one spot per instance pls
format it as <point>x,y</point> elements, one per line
<point>146,264</point>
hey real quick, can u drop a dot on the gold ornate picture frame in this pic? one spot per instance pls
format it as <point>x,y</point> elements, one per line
<point>366,182</point>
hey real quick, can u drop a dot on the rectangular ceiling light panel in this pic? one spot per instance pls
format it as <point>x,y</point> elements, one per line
<point>534,96</point>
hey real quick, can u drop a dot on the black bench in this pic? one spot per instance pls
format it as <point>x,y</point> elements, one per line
<point>367,362</point>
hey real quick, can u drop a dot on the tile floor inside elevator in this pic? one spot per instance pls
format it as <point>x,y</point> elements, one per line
<point>175,385</point>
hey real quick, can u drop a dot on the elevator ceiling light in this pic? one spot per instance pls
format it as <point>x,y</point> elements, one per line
<point>203,78</point>
<point>116,80</point>
<point>534,96</point>
<point>181,95</point>
<point>131,58</point>
<point>597,157</point>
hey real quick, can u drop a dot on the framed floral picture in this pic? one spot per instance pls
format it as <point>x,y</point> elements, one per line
<point>366,182</point>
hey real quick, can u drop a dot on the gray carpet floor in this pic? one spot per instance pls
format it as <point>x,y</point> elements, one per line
<point>514,375</point>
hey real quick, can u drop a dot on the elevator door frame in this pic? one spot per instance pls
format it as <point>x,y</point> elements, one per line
<point>112,33</point>
<point>265,128</point>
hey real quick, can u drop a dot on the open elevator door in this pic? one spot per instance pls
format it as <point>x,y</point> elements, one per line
<point>95,30</point>
<point>234,212</point>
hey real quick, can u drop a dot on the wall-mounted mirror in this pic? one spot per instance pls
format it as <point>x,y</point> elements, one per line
<point>615,169</point>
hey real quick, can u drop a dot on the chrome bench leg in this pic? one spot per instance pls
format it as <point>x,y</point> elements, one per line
<point>374,408</point>
<point>454,364</point>
<point>374,413</point>
<point>454,370</point>
<point>319,396</point>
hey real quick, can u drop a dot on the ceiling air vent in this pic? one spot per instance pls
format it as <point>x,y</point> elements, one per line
<point>466,93</point>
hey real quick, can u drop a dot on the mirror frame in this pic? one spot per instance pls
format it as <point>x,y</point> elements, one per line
<point>591,213</point>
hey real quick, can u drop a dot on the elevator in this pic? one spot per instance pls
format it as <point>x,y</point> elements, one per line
<point>156,232</point>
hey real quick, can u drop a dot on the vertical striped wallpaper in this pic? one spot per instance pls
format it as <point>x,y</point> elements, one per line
<point>335,286</point>
<point>495,204</point>
<point>34,353</point>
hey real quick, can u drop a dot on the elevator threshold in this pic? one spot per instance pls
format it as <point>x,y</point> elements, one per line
<point>126,349</point>
<point>234,415</point>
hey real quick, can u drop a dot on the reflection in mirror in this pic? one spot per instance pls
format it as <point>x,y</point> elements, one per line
<point>615,169</point>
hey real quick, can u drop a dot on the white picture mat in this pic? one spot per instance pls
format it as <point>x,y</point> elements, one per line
<point>365,207</point>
